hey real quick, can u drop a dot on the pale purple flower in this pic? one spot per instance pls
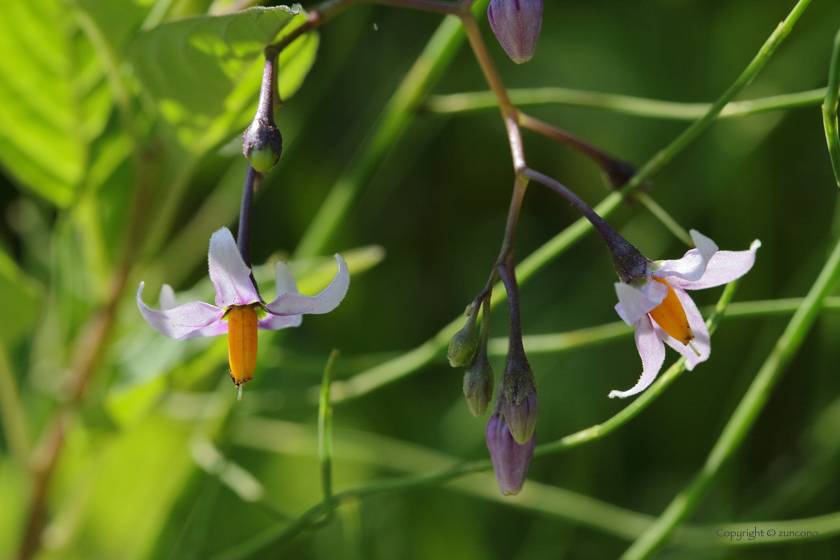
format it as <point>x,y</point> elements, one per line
<point>234,287</point>
<point>703,267</point>
<point>516,24</point>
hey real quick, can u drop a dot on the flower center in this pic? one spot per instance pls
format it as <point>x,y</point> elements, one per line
<point>242,343</point>
<point>670,315</point>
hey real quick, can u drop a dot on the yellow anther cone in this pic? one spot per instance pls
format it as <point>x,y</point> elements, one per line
<point>242,343</point>
<point>670,315</point>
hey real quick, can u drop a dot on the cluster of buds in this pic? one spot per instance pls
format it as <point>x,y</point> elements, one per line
<point>652,294</point>
<point>468,348</point>
<point>510,429</point>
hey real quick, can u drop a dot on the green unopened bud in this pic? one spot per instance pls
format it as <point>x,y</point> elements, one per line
<point>478,383</point>
<point>262,145</point>
<point>520,398</point>
<point>463,345</point>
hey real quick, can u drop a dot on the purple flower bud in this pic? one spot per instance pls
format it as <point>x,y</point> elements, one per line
<point>516,24</point>
<point>510,459</point>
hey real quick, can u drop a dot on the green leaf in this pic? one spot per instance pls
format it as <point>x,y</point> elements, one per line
<point>204,73</point>
<point>117,22</point>
<point>20,301</point>
<point>53,97</point>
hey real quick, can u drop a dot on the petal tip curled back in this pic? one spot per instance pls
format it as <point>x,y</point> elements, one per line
<point>329,298</point>
<point>185,321</point>
<point>284,280</point>
<point>167,298</point>
<point>694,263</point>
<point>723,267</point>
<point>704,244</point>
<point>652,352</point>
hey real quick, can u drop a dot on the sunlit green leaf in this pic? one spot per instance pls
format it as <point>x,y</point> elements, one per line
<point>133,487</point>
<point>204,72</point>
<point>117,22</point>
<point>53,98</point>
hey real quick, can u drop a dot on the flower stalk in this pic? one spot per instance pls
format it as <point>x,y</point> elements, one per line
<point>243,235</point>
<point>262,143</point>
<point>616,171</point>
<point>630,265</point>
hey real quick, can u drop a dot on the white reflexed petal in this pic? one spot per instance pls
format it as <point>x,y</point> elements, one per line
<point>693,264</point>
<point>652,352</point>
<point>285,282</point>
<point>633,303</point>
<point>326,301</point>
<point>277,322</point>
<point>182,321</point>
<point>723,267</point>
<point>706,246</point>
<point>698,327</point>
<point>230,275</point>
<point>167,298</point>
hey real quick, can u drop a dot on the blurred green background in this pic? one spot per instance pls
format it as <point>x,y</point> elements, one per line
<point>99,115</point>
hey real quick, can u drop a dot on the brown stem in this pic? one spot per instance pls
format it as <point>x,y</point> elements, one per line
<point>519,186</point>
<point>506,251</point>
<point>507,271</point>
<point>91,350</point>
<point>618,171</point>
<point>268,90</point>
<point>509,112</point>
<point>44,463</point>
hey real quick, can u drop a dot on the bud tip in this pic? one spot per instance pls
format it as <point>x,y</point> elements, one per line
<point>516,24</point>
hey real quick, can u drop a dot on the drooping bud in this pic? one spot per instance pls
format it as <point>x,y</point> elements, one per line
<point>516,24</point>
<point>463,345</point>
<point>262,143</point>
<point>510,459</point>
<point>478,383</point>
<point>520,397</point>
